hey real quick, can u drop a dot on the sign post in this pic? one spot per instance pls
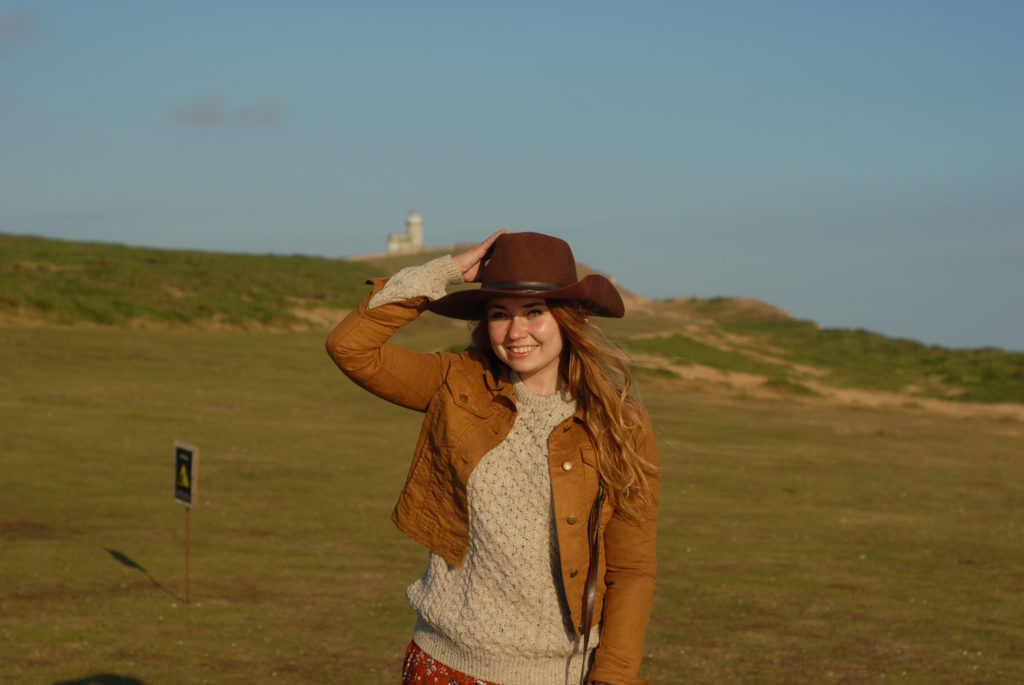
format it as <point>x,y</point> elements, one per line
<point>186,459</point>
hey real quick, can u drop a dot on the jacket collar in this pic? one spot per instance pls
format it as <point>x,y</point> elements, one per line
<point>497,379</point>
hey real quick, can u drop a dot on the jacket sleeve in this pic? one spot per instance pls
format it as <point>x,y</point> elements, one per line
<point>631,555</point>
<point>359,346</point>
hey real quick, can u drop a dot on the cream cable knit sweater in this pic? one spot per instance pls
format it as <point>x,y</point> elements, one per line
<point>501,615</point>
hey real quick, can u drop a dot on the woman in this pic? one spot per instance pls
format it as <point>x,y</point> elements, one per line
<point>532,456</point>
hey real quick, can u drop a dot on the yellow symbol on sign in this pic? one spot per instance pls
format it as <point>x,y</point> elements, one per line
<point>183,477</point>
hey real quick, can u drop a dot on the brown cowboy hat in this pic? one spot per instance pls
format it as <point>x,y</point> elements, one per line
<point>528,264</point>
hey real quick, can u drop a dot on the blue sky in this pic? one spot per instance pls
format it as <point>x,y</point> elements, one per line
<point>860,164</point>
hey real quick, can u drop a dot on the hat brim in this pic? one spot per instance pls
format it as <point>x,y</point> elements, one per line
<point>594,291</point>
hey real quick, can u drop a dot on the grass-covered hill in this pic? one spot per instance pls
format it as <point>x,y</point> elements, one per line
<point>730,341</point>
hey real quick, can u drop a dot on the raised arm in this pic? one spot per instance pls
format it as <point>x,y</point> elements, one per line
<point>359,344</point>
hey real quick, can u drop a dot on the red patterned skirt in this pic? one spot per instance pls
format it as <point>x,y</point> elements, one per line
<point>422,669</point>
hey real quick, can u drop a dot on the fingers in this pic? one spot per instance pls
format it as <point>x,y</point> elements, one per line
<point>494,236</point>
<point>480,249</point>
<point>469,260</point>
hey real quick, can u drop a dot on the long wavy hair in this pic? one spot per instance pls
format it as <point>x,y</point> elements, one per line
<point>598,375</point>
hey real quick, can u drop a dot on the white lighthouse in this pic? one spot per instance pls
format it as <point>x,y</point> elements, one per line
<point>410,241</point>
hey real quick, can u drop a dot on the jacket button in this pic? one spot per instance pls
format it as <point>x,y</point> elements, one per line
<point>464,397</point>
<point>567,466</point>
<point>572,520</point>
<point>573,573</point>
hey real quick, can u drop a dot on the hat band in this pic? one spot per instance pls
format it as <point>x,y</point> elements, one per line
<point>521,285</point>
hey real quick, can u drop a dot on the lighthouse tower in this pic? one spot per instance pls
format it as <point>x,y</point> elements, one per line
<point>410,241</point>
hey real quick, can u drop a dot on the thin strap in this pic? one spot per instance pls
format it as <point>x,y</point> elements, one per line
<point>590,590</point>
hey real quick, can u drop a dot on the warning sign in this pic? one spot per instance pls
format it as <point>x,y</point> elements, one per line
<point>185,459</point>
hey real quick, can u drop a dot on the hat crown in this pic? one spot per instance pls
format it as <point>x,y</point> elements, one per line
<point>524,265</point>
<point>527,259</point>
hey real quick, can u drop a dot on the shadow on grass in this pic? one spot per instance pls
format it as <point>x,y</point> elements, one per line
<point>102,679</point>
<point>131,563</point>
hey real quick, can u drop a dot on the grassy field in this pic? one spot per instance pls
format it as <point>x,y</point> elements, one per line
<point>801,541</point>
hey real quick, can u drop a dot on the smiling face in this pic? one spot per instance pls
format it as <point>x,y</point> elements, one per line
<point>525,336</point>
